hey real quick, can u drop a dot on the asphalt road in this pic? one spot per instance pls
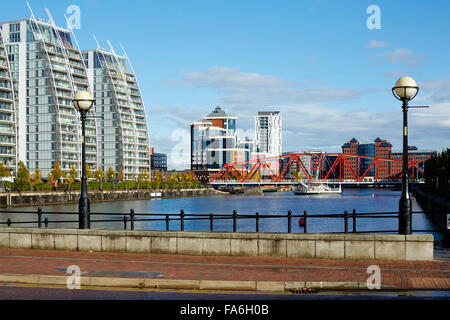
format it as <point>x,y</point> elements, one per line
<point>39,293</point>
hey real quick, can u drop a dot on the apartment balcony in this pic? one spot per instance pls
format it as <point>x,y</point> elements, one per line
<point>78,66</point>
<point>6,99</point>
<point>4,77</point>
<point>70,150</point>
<point>5,121</point>
<point>80,81</point>
<point>59,68</point>
<point>141,121</point>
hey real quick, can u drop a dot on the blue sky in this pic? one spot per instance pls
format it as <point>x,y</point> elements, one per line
<point>316,61</point>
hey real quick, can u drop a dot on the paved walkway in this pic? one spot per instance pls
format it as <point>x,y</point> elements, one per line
<point>309,272</point>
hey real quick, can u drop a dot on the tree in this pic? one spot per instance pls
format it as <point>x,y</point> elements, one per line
<point>51,180</point>
<point>4,172</point>
<point>88,171</point>
<point>99,175</point>
<point>157,179</point>
<point>71,176</point>
<point>110,175</point>
<point>22,180</point>
<point>36,176</point>
<point>57,173</point>
<point>143,176</point>
<point>121,175</point>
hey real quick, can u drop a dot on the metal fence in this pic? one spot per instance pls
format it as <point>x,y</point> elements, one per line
<point>129,220</point>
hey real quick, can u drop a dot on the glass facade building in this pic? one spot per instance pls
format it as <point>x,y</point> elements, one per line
<point>41,69</point>
<point>366,149</point>
<point>8,142</point>
<point>123,142</point>
<point>46,71</point>
<point>268,130</point>
<point>214,143</point>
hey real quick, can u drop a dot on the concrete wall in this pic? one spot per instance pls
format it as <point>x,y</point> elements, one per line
<point>326,246</point>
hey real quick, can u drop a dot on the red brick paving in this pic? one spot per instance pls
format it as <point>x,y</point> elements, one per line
<point>402,274</point>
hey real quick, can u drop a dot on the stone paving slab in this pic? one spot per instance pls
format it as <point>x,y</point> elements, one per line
<point>216,273</point>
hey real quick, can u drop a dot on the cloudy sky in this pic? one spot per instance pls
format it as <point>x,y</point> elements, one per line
<point>328,66</point>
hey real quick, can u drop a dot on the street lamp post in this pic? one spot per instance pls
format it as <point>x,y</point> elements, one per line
<point>83,102</point>
<point>405,90</point>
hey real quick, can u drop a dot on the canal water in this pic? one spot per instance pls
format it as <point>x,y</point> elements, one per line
<point>363,200</point>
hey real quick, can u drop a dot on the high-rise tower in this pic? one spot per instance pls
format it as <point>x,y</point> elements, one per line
<point>8,141</point>
<point>123,140</point>
<point>47,69</point>
<point>268,129</point>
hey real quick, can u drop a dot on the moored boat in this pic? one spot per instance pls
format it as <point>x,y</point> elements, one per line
<point>311,188</point>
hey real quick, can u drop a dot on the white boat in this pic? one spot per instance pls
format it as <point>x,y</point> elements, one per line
<point>316,188</point>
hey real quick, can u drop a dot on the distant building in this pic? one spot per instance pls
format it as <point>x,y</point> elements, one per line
<point>378,149</point>
<point>383,150</point>
<point>214,143</point>
<point>415,155</point>
<point>350,148</point>
<point>158,160</point>
<point>366,149</point>
<point>268,130</point>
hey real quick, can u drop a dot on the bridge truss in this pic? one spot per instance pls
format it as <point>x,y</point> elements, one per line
<point>316,166</point>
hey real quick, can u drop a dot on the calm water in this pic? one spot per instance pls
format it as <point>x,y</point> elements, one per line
<point>363,200</point>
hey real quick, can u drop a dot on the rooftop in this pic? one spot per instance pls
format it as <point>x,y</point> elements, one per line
<point>217,113</point>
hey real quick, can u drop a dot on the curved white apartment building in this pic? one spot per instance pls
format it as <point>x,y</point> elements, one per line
<point>8,142</point>
<point>41,68</point>
<point>123,142</point>
<point>46,71</point>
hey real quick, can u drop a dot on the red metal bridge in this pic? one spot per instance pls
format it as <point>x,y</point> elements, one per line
<point>333,167</point>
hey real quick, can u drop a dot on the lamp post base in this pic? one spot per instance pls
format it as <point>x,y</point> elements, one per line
<point>405,215</point>
<point>84,211</point>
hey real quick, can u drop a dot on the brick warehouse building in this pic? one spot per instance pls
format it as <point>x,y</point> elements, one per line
<point>415,155</point>
<point>351,149</point>
<point>379,149</point>
<point>383,150</point>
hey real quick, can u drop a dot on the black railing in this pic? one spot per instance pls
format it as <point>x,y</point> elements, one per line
<point>131,218</point>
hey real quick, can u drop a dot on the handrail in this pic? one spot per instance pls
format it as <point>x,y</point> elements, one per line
<point>234,217</point>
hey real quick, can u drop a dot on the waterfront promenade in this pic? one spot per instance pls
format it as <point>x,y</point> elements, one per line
<point>250,274</point>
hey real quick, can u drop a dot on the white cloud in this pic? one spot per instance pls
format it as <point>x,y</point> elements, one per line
<point>252,89</point>
<point>309,122</point>
<point>438,90</point>
<point>402,56</point>
<point>397,74</point>
<point>373,44</point>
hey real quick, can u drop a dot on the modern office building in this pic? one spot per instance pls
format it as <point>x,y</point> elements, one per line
<point>366,149</point>
<point>158,160</point>
<point>123,140</point>
<point>47,69</point>
<point>8,141</point>
<point>268,130</point>
<point>214,143</point>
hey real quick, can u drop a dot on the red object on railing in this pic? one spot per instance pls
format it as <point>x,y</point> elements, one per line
<point>301,222</point>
